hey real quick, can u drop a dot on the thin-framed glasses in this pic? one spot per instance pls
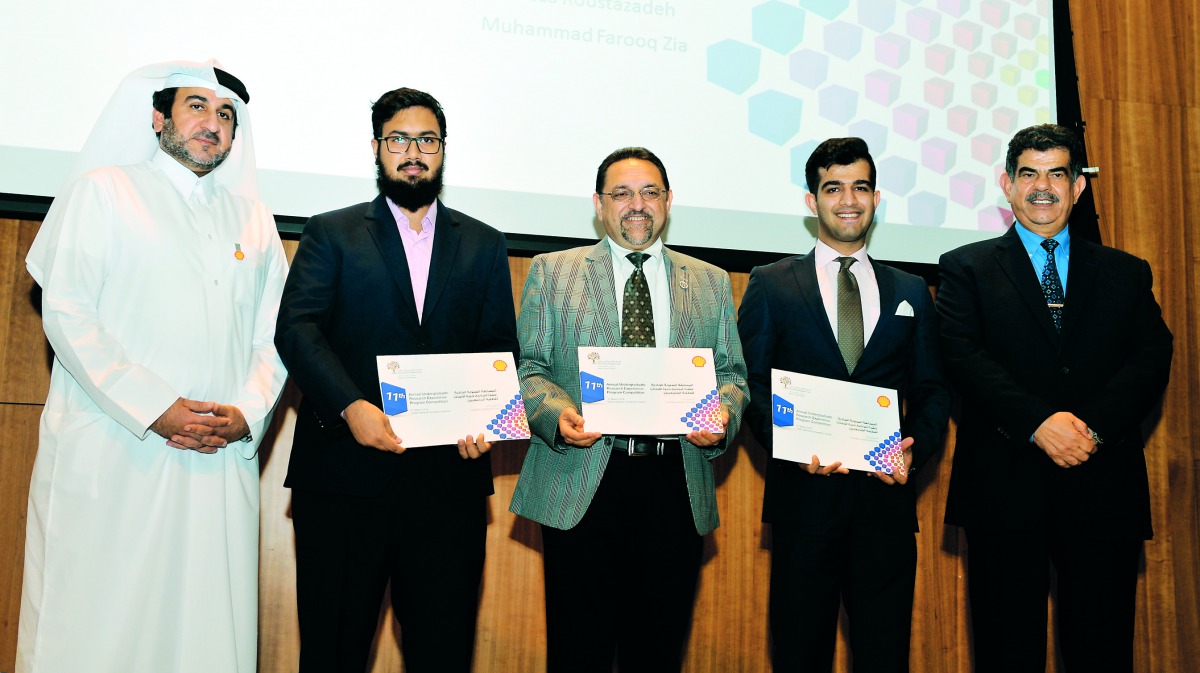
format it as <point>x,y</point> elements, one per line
<point>626,195</point>
<point>399,144</point>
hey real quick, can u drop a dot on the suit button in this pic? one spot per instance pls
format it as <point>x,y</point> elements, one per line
<point>1065,371</point>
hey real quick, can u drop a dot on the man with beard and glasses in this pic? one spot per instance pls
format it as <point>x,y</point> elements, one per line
<point>399,275</point>
<point>1060,353</point>
<point>161,274</point>
<point>623,517</point>
<point>841,537</point>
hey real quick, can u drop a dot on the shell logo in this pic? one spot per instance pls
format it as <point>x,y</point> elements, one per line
<point>500,365</point>
<point>699,361</point>
<point>883,401</point>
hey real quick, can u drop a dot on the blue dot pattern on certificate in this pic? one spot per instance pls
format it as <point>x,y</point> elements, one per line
<point>887,457</point>
<point>706,414</point>
<point>511,422</point>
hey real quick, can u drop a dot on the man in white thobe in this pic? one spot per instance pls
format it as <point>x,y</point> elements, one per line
<point>160,287</point>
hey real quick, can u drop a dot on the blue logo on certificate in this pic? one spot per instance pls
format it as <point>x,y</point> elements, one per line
<point>783,413</point>
<point>395,399</point>
<point>591,387</point>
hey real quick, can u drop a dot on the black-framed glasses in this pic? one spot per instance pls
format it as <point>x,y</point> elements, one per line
<point>399,144</point>
<point>626,195</point>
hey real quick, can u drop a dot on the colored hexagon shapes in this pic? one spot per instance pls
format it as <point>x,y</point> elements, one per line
<point>733,65</point>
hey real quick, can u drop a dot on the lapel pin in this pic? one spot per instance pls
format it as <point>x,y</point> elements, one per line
<point>237,252</point>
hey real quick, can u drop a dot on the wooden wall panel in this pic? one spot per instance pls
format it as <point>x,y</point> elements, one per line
<point>20,430</point>
<point>1139,94</point>
<point>1138,51</point>
<point>24,355</point>
<point>24,380</point>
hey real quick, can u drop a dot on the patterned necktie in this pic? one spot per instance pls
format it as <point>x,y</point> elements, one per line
<point>849,315</point>
<point>1052,288</point>
<point>637,318</point>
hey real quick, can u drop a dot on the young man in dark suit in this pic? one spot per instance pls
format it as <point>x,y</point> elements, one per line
<point>400,275</point>
<point>841,537</point>
<point>1060,352</point>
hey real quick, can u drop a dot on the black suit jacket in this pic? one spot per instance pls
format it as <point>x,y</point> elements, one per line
<point>783,324</point>
<point>348,298</point>
<point>1108,366</point>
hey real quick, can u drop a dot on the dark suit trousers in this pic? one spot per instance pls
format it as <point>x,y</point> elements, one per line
<point>623,580</point>
<point>869,569</point>
<point>1008,579</point>
<point>428,544</point>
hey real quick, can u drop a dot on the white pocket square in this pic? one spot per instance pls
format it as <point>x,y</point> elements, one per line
<point>905,309</point>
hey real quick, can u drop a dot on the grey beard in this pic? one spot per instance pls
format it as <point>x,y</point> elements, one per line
<point>173,143</point>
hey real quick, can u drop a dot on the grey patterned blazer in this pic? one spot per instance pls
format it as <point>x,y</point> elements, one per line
<point>569,301</point>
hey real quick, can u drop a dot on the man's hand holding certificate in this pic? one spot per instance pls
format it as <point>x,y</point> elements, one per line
<point>843,423</point>
<point>650,391</point>
<point>436,399</point>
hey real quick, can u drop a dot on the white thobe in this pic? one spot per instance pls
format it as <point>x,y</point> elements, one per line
<point>141,558</point>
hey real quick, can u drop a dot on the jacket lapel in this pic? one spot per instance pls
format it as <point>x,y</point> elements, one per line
<point>446,240</point>
<point>600,301</point>
<point>886,283</point>
<point>1014,262</point>
<point>804,270</point>
<point>382,227</point>
<point>1081,282</point>
<point>679,287</point>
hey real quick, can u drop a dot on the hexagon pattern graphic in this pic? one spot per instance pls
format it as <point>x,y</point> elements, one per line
<point>948,81</point>
<point>733,65</point>
<point>778,26</point>
<point>799,158</point>
<point>808,67</point>
<point>775,116</point>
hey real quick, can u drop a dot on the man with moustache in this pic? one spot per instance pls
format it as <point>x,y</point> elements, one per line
<point>160,272</point>
<point>400,275</point>
<point>622,517</point>
<point>841,537</point>
<point>1060,352</point>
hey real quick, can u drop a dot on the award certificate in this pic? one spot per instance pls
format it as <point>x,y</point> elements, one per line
<point>649,391</point>
<point>439,399</point>
<point>836,421</point>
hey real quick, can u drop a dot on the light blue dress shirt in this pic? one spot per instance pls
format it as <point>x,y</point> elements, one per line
<point>1037,254</point>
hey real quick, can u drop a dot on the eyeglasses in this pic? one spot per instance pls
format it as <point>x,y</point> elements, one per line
<point>399,144</point>
<point>625,195</point>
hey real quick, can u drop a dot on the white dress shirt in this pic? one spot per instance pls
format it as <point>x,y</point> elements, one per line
<point>868,286</point>
<point>656,280</point>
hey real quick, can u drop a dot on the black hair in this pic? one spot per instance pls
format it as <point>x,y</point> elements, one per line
<point>837,152</point>
<point>401,99</point>
<point>164,99</point>
<point>1041,138</point>
<point>630,153</point>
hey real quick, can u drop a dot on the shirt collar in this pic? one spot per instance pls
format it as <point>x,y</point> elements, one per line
<point>428,222</point>
<point>826,255</point>
<point>183,179</point>
<point>1033,242</point>
<point>655,250</point>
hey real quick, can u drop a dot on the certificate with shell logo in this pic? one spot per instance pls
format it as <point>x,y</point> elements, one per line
<point>433,400</point>
<point>837,421</point>
<point>649,391</point>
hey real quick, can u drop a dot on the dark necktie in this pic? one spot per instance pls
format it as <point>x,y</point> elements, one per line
<point>637,318</point>
<point>1052,288</point>
<point>849,315</point>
